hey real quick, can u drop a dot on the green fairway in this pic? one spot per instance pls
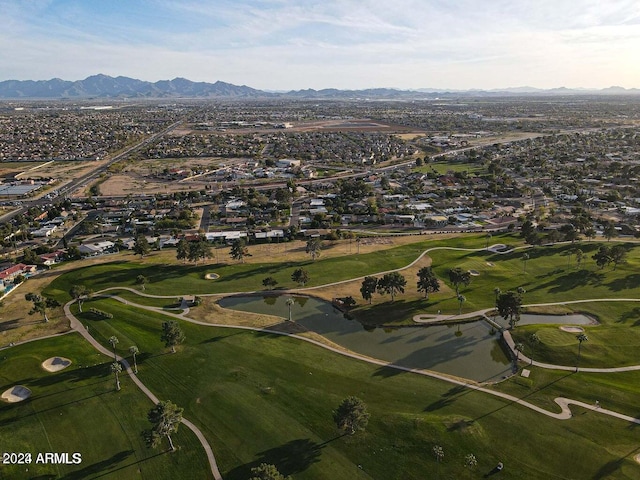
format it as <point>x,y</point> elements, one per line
<point>78,410</point>
<point>179,279</point>
<point>261,397</point>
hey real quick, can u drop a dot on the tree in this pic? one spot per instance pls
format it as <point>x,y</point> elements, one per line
<point>269,282</point>
<point>172,334</point>
<point>438,452</point>
<point>313,248</point>
<point>80,293</point>
<point>497,292</point>
<point>182,250</point>
<point>73,253</point>
<point>461,300</point>
<point>470,460</point>
<point>519,348</point>
<point>534,340</point>
<point>142,281</point>
<point>351,415</point>
<point>618,254</point>
<point>368,288</point>
<point>581,338</point>
<point>427,281</point>
<point>116,369</point>
<point>300,276</point>
<point>458,277</point>
<point>602,256</point>
<point>267,471</point>
<point>133,350</point>
<point>165,418</point>
<point>525,257</point>
<point>113,340</point>
<point>41,304</point>
<point>392,283</point>
<point>609,231</point>
<point>290,303</point>
<point>509,305</point>
<point>199,249</point>
<point>487,237</point>
<point>141,246</point>
<point>239,250</point>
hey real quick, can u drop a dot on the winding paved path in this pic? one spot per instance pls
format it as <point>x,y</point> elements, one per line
<point>77,326</point>
<point>563,403</point>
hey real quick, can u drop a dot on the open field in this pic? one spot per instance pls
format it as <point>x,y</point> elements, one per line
<point>78,410</point>
<point>259,397</point>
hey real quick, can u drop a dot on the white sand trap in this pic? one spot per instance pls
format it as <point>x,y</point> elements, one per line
<point>55,364</point>
<point>16,394</point>
<point>569,329</point>
<point>636,457</point>
<point>212,276</point>
<point>489,264</point>
<point>474,273</point>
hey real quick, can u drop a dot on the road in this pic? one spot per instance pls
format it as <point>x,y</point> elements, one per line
<point>84,180</point>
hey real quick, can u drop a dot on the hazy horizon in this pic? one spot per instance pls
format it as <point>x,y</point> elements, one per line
<point>283,45</point>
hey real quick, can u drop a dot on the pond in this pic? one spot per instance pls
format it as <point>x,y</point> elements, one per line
<point>467,350</point>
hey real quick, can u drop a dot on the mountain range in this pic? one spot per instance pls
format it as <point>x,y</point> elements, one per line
<point>104,86</point>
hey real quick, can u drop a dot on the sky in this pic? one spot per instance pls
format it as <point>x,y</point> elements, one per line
<point>346,44</point>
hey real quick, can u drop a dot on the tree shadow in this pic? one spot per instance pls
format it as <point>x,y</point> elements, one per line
<point>98,466</point>
<point>569,281</point>
<point>611,467</point>
<point>291,458</point>
<point>624,283</point>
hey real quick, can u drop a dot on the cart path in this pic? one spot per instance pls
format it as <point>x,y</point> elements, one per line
<point>77,326</point>
<point>562,402</point>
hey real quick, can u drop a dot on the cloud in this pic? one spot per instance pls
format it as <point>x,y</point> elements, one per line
<point>281,44</point>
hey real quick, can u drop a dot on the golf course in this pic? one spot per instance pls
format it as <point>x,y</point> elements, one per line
<point>260,389</point>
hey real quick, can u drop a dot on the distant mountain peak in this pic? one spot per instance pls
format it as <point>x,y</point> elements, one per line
<point>105,86</point>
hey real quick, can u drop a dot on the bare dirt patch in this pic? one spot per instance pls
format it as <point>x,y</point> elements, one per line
<point>16,394</point>
<point>55,364</point>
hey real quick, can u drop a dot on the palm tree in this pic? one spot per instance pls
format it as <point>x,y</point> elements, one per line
<point>461,300</point>
<point>488,237</point>
<point>113,340</point>
<point>290,303</point>
<point>497,293</point>
<point>525,257</point>
<point>133,350</point>
<point>116,369</point>
<point>534,340</point>
<point>581,338</point>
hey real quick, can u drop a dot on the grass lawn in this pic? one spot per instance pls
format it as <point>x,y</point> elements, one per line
<point>177,279</point>
<point>260,397</point>
<point>78,410</point>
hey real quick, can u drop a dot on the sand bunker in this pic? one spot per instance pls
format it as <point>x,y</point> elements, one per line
<point>636,457</point>
<point>55,364</point>
<point>569,329</point>
<point>212,276</point>
<point>474,273</point>
<point>489,264</point>
<point>16,394</point>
